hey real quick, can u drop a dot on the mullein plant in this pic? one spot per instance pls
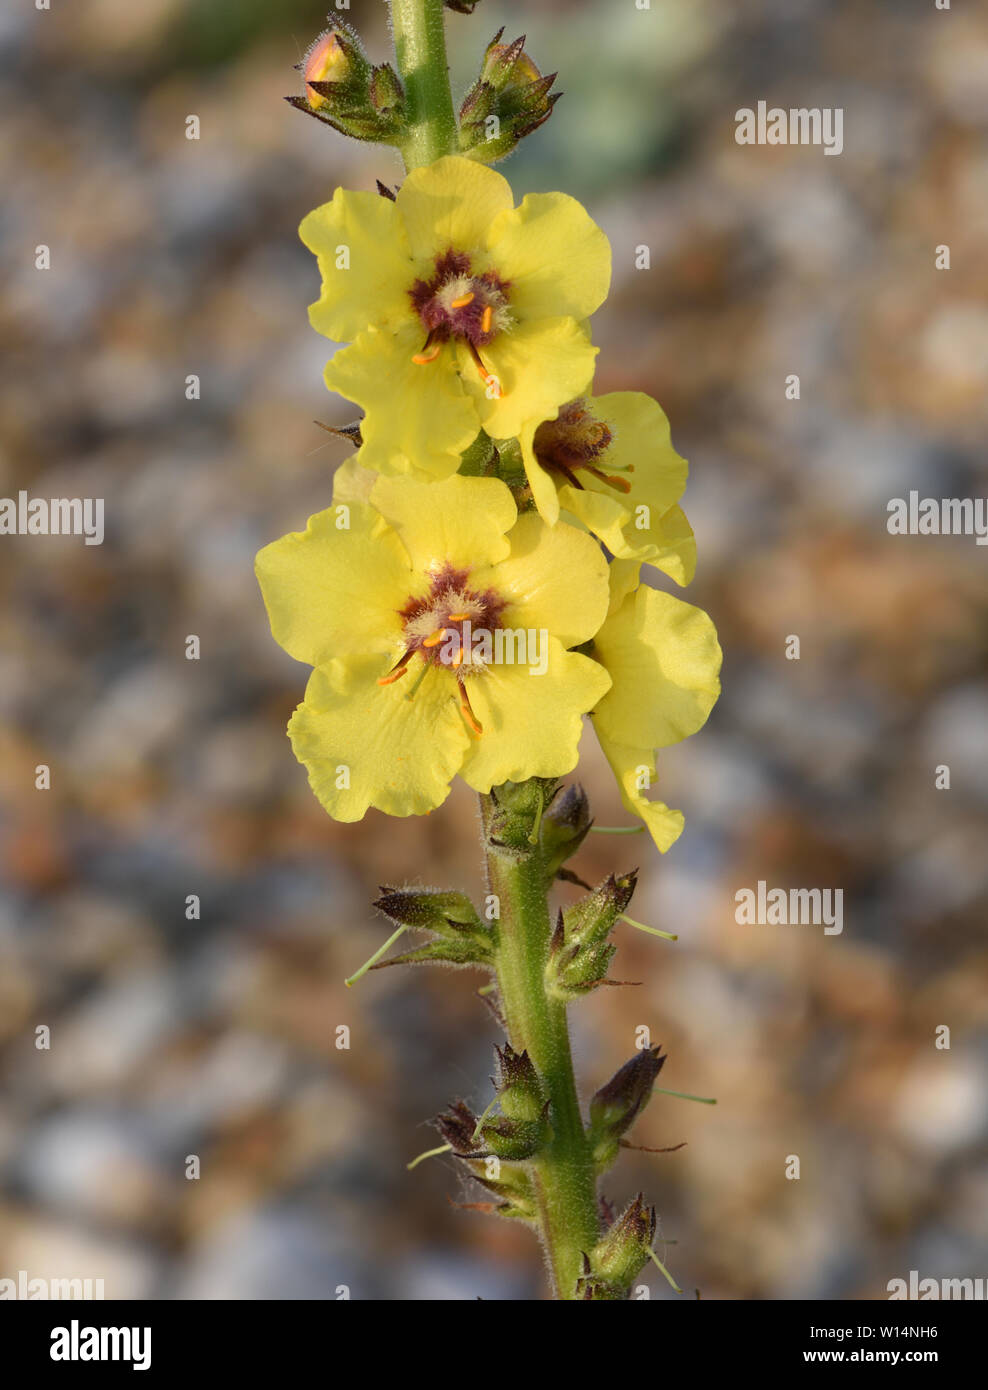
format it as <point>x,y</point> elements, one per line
<point>492,498</point>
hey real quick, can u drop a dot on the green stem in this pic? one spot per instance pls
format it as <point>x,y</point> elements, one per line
<point>420,47</point>
<point>564,1178</point>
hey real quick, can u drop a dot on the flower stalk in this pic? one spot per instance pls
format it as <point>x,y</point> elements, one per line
<point>420,46</point>
<point>564,1176</point>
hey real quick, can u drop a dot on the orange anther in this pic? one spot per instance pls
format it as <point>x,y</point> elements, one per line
<point>463,301</point>
<point>472,720</point>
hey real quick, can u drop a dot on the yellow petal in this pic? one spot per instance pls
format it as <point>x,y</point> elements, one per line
<point>532,722</point>
<point>555,256</point>
<point>461,521</point>
<point>602,512</point>
<point>365,745</point>
<point>418,419</point>
<point>544,492</point>
<point>667,541</point>
<point>634,769</point>
<point>337,586</point>
<point>670,545</point>
<point>451,204</point>
<point>664,659</point>
<point>554,578</point>
<point>623,580</point>
<point>352,482</point>
<point>641,437</point>
<point>364,262</point>
<point>540,365</point>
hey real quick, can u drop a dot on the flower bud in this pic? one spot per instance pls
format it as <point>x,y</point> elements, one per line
<point>508,101</point>
<point>580,951</point>
<point>512,1140</point>
<point>343,91</point>
<point>521,1094</point>
<point>430,909</point>
<point>461,938</point>
<point>512,1185</point>
<point>618,1104</point>
<point>621,1255</point>
<point>506,63</point>
<point>335,58</point>
<point>515,815</point>
<point>565,826</point>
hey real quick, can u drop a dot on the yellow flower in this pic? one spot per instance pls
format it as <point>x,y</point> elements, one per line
<point>438,623</point>
<point>664,662</point>
<point>464,311</point>
<point>609,461</point>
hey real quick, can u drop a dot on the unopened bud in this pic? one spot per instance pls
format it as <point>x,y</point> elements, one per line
<point>514,818</point>
<point>565,826</point>
<point>337,58</point>
<point>506,63</point>
<point>430,909</point>
<point>580,951</point>
<point>507,1138</point>
<point>521,1094</point>
<point>343,91</point>
<point>510,89</point>
<point>624,1250</point>
<point>618,1104</point>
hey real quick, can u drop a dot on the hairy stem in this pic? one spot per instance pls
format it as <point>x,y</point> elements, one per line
<point>420,47</point>
<point>563,1174</point>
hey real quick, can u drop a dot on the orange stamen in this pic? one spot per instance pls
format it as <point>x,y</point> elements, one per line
<point>463,301</point>
<point>393,676</point>
<point>621,484</point>
<point>489,378</point>
<point>422,359</point>
<point>472,721</point>
<point>435,638</point>
<point>487,319</point>
<point>458,617</point>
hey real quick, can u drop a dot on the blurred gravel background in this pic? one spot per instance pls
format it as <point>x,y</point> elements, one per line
<point>170,777</point>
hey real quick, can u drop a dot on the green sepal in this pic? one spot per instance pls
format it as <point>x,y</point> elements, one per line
<point>481,459</point>
<point>444,951</point>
